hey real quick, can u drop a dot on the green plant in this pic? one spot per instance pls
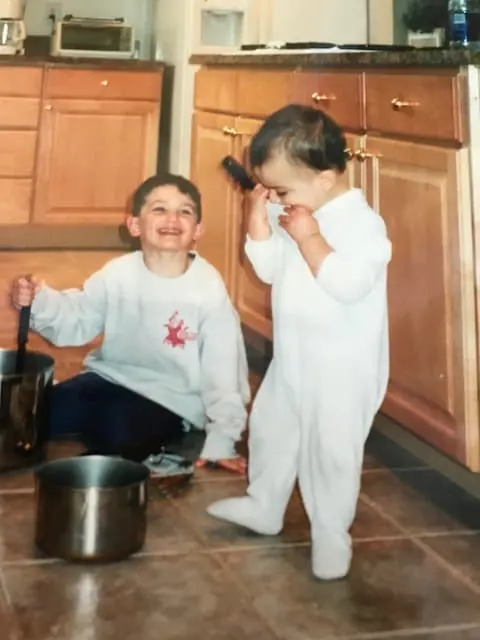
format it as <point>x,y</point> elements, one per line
<point>426,15</point>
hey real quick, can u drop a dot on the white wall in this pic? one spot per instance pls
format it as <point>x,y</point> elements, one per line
<point>139,13</point>
<point>337,21</point>
<point>381,22</point>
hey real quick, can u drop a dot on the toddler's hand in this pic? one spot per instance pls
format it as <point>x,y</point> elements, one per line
<point>299,223</point>
<point>258,224</point>
<point>24,290</point>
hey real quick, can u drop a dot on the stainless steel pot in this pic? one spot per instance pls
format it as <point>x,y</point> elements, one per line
<point>91,508</point>
<point>24,408</point>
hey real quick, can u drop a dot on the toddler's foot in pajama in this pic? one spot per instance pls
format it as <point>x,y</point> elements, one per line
<point>330,561</point>
<point>246,512</point>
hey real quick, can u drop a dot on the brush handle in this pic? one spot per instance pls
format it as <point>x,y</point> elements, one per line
<point>238,173</point>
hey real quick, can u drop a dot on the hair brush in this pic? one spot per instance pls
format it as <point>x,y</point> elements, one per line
<point>238,174</point>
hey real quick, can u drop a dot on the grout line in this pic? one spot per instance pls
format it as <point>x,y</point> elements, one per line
<point>391,470</point>
<point>30,562</point>
<point>9,492</point>
<point>419,632</point>
<point>450,568</point>
<point>245,591</point>
<point>446,534</point>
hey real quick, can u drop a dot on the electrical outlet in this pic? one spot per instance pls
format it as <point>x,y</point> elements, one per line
<point>53,11</point>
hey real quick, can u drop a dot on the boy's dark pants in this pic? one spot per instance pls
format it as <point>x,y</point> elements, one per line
<point>112,420</point>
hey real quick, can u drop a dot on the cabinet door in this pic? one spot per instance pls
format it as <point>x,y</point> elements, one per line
<point>253,298</point>
<point>433,380</point>
<point>356,170</point>
<point>92,155</point>
<point>212,140</point>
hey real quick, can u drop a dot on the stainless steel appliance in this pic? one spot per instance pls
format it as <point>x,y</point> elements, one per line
<point>93,38</point>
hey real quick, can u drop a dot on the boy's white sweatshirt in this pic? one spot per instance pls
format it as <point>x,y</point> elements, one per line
<point>176,341</point>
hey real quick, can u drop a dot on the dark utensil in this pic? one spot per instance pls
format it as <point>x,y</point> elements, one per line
<point>238,173</point>
<point>91,508</point>
<point>22,339</point>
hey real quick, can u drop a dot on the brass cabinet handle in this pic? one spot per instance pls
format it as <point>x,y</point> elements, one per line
<point>104,83</point>
<point>48,107</point>
<point>398,104</point>
<point>349,154</point>
<point>363,155</point>
<point>229,131</point>
<point>322,97</point>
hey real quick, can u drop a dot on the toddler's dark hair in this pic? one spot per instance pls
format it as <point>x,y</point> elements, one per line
<point>162,180</point>
<point>306,135</point>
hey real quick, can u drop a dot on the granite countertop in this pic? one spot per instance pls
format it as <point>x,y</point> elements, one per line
<point>45,60</point>
<point>417,58</point>
<point>37,54</point>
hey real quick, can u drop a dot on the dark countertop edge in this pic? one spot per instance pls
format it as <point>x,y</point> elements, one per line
<point>80,63</point>
<point>419,58</point>
<point>64,237</point>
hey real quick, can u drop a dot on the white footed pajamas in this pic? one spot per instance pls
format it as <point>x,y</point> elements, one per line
<point>326,381</point>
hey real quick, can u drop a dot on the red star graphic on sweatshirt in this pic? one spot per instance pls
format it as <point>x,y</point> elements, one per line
<point>177,333</point>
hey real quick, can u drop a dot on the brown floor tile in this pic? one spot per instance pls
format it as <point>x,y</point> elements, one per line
<point>17,527</point>
<point>393,586</point>
<point>217,534</point>
<point>462,551</point>
<point>422,502</point>
<point>23,479</point>
<point>170,598</point>
<point>9,630</point>
<point>166,532</point>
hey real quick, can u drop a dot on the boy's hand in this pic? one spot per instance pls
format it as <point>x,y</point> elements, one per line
<point>235,465</point>
<point>299,223</point>
<point>24,290</point>
<point>258,224</point>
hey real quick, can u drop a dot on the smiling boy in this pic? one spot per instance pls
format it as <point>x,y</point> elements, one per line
<point>172,357</point>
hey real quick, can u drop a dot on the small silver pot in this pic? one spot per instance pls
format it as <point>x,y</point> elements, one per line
<point>24,408</point>
<point>91,508</point>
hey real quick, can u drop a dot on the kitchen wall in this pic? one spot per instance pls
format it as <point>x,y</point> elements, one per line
<point>139,13</point>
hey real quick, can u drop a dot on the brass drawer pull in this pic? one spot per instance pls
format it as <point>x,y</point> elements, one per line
<point>363,155</point>
<point>104,83</point>
<point>398,104</point>
<point>349,154</point>
<point>229,131</point>
<point>322,97</point>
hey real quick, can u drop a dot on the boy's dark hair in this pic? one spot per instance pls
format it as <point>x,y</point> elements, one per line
<point>306,135</point>
<point>162,180</point>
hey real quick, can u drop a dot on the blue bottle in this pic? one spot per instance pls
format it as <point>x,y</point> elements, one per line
<point>464,23</point>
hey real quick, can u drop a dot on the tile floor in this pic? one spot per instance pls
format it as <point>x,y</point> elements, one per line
<point>416,572</point>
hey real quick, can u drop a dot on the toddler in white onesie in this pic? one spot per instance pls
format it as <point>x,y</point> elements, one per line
<point>325,252</point>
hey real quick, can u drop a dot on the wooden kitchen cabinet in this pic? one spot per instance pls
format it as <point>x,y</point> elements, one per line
<point>92,155</point>
<point>214,137</point>
<point>433,375</point>
<point>212,140</point>
<point>423,192</point>
<point>75,141</point>
<point>252,297</point>
<point>20,94</point>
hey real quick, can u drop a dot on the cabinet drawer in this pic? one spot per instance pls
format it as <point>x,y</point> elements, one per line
<point>423,105</point>
<point>216,90</point>
<point>15,200</point>
<point>17,153</point>
<point>20,81</point>
<point>339,94</point>
<point>103,85</point>
<point>19,112</point>
<point>260,93</point>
